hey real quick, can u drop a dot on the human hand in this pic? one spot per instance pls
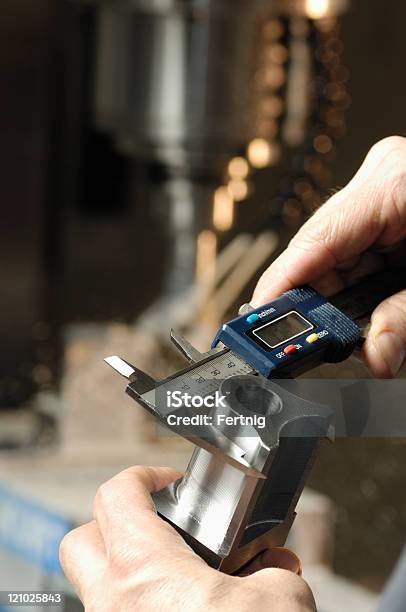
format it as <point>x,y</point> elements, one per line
<point>357,231</point>
<point>129,559</point>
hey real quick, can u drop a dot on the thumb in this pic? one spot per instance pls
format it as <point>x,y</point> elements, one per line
<point>289,592</point>
<point>385,347</point>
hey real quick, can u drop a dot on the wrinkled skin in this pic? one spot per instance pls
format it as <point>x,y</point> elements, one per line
<point>128,559</point>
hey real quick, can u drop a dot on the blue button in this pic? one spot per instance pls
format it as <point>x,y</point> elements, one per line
<point>252,318</point>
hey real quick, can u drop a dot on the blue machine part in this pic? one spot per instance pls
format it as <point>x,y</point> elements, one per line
<point>30,531</point>
<point>291,335</point>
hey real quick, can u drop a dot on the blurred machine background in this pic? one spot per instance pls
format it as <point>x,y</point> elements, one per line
<point>160,130</point>
<point>157,154</point>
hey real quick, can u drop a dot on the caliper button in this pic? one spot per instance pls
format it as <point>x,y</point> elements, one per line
<point>253,318</point>
<point>312,338</point>
<point>290,349</point>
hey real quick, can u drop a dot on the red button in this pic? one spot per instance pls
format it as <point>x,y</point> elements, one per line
<point>289,350</point>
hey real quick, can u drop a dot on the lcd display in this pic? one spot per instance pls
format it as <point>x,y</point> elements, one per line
<point>281,330</point>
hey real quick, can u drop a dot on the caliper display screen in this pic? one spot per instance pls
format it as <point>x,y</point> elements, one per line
<point>283,329</point>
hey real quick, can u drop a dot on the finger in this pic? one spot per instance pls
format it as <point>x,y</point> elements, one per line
<point>321,245</point>
<point>330,283</point>
<point>83,557</point>
<point>126,516</point>
<point>142,481</point>
<point>292,591</point>
<point>384,348</point>
<point>359,216</point>
<point>125,501</point>
<point>349,272</point>
<point>275,557</point>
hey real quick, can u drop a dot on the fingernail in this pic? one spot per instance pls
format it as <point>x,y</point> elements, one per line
<point>391,349</point>
<point>245,308</point>
<point>282,558</point>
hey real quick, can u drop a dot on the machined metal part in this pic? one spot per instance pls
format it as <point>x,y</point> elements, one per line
<point>229,515</point>
<point>239,492</point>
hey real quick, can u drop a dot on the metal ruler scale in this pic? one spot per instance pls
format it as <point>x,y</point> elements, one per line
<point>198,380</point>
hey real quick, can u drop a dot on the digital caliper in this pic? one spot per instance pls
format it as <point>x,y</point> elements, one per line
<point>241,487</point>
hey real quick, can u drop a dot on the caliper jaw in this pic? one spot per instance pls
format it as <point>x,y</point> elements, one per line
<point>139,380</point>
<point>189,351</point>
